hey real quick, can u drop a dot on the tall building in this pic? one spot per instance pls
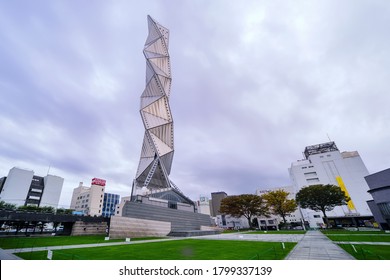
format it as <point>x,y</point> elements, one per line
<point>216,198</point>
<point>152,177</point>
<point>21,187</point>
<point>379,184</point>
<point>109,204</point>
<point>89,200</point>
<point>325,164</point>
<point>154,197</point>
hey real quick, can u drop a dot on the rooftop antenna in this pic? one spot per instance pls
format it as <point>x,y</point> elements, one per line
<point>328,137</point>
<point>48,170</point>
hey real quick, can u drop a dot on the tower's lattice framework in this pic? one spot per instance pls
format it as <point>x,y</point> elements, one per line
<point>158,147</point>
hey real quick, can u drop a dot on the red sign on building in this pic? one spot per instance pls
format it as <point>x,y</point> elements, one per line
<point>99,182</point>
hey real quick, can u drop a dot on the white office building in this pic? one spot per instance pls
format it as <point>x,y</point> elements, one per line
<point>203,205</point>
<point>325,164</point>
<point>89,200</point>
<point>21,187</point>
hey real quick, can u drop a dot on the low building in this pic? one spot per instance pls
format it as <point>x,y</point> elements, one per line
<point>230,222</point>
<point>203,205</point>
<point>379,184</point>
<point>109,204</point>
<point>23,188</point>
<point>119,206</point>
<point>294,219</point>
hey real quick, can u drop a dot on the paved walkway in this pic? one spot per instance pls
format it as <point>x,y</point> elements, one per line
<point>316,246</point>
<point>254,237</point>
<point>4,255</point>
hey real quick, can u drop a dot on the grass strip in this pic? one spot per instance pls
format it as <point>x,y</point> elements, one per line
<point>33,242</point>
<point>360,238</point>
<point>186,249</point>
<point>367,252</point>
<point>340,231</point>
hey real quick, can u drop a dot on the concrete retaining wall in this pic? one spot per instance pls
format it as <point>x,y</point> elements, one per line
<point>90,228</point>
<point>122,227</point>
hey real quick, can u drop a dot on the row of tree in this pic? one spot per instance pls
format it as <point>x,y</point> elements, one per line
<point>316,197</point>
<point>28,208</point>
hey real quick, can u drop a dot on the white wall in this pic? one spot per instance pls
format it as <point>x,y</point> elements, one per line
<point>16,186</point>
<point>327,166</point>
<point>52,191</point>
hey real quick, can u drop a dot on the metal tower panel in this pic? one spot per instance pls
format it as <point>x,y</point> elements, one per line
<point>157,149</point>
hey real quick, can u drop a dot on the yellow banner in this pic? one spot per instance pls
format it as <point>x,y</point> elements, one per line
<point>350,204</point>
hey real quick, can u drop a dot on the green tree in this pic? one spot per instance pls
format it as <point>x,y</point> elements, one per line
<point>64,211</point>
<point>246,205</point>
<point>31,208</point>
<point>279,204</point>
<point>321,198</point>
<point>7,206</point>
<point>47,209</point>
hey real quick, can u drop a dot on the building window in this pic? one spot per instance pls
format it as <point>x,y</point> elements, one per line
<point>384,208</point>
<point>313,180</point>
<point>308,174</point>
<point>172,205</point>
<point>316,216</point>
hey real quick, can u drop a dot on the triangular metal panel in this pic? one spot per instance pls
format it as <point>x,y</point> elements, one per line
<point>158,46</point>
<point>144,163</point>
<point>152,120</point>
<point>153,88</point>
<point>165,83</point>
<point>161,147</point>
<point>167,161</point>
<point>164,32</point>
<point>159,108</point>
<point>161,66</point>
<point>149,72</point>
<point>145,101</point>
<point>150,55</point>
<point>165,133</point>
<point>154,31</point>
<point>148,150</point>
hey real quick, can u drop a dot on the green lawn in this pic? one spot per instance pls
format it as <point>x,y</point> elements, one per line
<point>357,236</point>
<point>341,231</point>
<point>360,238</point>
<point>29,242</point>
<point>367,252</point>
<point>277,232</point>
<point>186,249</point>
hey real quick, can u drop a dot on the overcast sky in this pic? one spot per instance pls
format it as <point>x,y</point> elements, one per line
<point>254,83</point>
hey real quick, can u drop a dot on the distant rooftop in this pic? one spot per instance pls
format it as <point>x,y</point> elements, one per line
<point>320,148</point>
